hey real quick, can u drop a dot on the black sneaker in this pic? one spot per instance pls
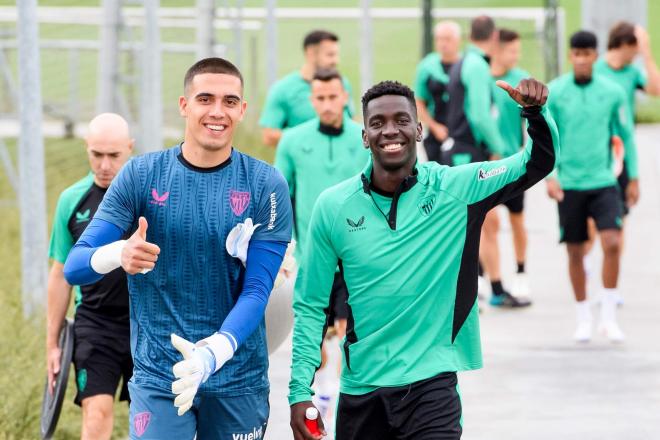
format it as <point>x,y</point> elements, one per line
<point>508,301</point>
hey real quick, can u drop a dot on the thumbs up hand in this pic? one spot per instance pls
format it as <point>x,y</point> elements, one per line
<point>138,255</point>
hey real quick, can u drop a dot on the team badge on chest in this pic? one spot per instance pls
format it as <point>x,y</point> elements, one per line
<point>239,201</point>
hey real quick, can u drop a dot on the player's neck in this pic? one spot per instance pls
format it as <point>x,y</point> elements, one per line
<point>497,69</point>
<point>307,71</point>
<point>202,157</point>
<point>614,60</point>
<point>388,181</point>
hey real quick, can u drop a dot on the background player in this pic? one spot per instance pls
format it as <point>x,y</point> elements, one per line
<point>589,109</point>
<point>476,137</point>
<point>512,128</point>
<point>312,157</point>
<point>407,237</point>
<point>184,285</point>
<point>431,81</point>
<point>102,353</point>
<point>288,103</point>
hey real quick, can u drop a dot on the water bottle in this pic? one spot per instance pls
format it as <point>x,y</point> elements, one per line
<point>312,420</point>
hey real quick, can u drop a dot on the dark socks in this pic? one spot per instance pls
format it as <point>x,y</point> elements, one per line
<point>480,270</point>
<point>497,287</point>
<point>521,267</point>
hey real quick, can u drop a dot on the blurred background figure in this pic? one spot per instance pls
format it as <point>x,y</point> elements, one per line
<point>512,128</point>
<point>288,103</point>
<point>102,352</point>
<point>431,80</point>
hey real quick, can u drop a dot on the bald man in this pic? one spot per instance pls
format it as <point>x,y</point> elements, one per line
<point>102,340</point>
<point>431,85</point>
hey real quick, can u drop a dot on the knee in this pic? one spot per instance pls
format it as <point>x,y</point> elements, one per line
<point>96,417</point>
<point>575,254</point>
<point>492,224</point>
<point>611,244</point>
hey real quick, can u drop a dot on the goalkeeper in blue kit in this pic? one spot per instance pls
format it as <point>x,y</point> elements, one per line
<point>211,229</point>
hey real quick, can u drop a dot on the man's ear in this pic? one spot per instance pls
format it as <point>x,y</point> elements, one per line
<point>183,103</point>
<point>365,141</point>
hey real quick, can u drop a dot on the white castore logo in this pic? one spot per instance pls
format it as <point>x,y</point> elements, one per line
<point>483,174</point>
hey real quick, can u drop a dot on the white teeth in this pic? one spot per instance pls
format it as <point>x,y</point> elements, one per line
<point>216,127</point>
<point>392,147</point>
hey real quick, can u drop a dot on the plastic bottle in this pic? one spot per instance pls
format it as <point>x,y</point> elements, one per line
<point>312,420</point>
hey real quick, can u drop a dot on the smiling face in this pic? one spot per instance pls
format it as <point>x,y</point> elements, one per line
<point>212,107</point>
<point>392,132</point>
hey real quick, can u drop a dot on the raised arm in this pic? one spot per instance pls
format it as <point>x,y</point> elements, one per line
<point>486,184</point>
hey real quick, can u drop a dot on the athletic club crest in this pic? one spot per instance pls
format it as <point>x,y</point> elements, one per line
<point>239,201</point>
<point>140,422</point>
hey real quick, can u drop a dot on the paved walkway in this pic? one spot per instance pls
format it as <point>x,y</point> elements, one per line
<point>537,384</point>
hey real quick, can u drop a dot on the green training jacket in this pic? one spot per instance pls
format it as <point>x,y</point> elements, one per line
<point>410,264</point>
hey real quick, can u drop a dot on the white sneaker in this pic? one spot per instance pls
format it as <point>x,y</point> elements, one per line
<point>608,325</point>
<point>611,330</point>
<point>583,314</point>
<point>583,332</point>
<point>520,285</point>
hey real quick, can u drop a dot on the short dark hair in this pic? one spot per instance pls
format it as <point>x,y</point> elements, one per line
<point>388,88</point>
<point>508,35</point>
<point>326,75</point>
<point>622,34</point>
<point>317,37</point>
<point>482,28</point>
<point>584,40</point>
<point>211,65</point>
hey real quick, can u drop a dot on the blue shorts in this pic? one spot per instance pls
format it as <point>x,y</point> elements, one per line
<point>153,416</point>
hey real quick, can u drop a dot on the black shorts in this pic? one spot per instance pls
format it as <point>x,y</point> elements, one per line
<point>461,154</point>
<point>603,205</point>
<point>516,205</point>
<point>623,180</point>
<point>100,361</point>
<point>338,298</point>
<point>426,410</point>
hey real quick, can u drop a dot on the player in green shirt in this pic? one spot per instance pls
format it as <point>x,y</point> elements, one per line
<point>406,237</point>
<point>476,137</point>
<point>288,103</point>
<point>312,157</point>
<point>589,109</point>
<point>102,353</point>
<point>431,80</point>
<point>512,127</point>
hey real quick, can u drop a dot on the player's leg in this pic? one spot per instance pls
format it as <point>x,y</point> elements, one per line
<point>152,414</point>
<point>235,417</point>
<point>607,211</point>
<point>573,214</point>
<point>97,417</point>
<point>428,410</point>
<point>98,371</point>
<point>363,417</point>
<point>515,206</point>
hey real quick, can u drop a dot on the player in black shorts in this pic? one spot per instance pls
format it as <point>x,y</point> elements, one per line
<point>102,353</point>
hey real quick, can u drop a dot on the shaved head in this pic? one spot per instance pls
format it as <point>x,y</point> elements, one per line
<point>109,125</point>
<point>447,36</point>
<point>109,145</point>
<point>447,28</point>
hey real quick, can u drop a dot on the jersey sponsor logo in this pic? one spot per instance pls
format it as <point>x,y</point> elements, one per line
<point>483,174</point>
<point>239,201</point>
<point>256,434</point>
<point>157,199</point>
<point>141,422</point>
<point>426,205</point>
<point>273,211</point>
<point>356,225</point>
<point>82,217</point>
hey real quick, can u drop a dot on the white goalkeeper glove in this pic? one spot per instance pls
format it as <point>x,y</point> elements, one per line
<point>199,362</point>
<point>238,239</point>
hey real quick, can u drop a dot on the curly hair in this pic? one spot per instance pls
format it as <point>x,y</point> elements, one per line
<point>388,88</point>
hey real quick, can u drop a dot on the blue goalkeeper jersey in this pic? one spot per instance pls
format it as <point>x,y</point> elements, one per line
<point>195,283</point>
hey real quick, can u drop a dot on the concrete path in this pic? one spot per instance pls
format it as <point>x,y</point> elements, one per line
<point>537,384</point>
